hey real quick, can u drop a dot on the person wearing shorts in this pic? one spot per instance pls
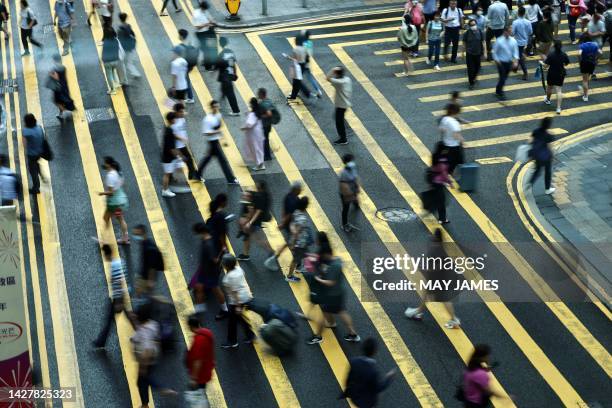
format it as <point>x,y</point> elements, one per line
<point>557,60</point>
<point>589,52</point>
<point>116,199</point>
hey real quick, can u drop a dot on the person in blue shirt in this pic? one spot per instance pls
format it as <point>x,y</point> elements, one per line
<point>521,28</point>
<point>506,55</point>
<point>33,137</point>
<point>589,52</point>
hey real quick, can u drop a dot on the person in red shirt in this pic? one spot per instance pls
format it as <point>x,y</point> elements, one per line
<point>201,356</point>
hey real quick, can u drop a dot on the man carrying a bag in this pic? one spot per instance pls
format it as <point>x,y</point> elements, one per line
<point>200,362</point>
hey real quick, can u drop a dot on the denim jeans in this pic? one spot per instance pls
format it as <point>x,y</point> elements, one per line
<point>434,50</point>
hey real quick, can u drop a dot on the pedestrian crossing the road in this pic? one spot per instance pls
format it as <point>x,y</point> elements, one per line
<point>547,328</point>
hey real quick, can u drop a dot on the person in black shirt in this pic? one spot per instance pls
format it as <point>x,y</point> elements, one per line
<point>557,60</point>
<point>259,212</point>
<point>170,156</point>
<point>152,261</point>
<point>217,223</point>
<point>290,204</point>
<point>541,153</point>
<point>226,65</point>
<point>208,272</point>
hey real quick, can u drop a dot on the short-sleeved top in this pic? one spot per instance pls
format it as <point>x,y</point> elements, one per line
<point>203,350</point>
<point>264,106</point>
<point>168,146</point>
<point>300,54</point>
<point>113,180</point>
<point>218,229</point>
<point>34,137</point>
<point>532,12</point>
<point>498,15</point>
<point>152,258</point>
<point>449,126</point>
<point>236,287</point>
<point>126,36</point>
<point>473,42</point>
<point>208,266</point>
<point>63,11</point>
<point>434,30</point>
<point>332,271</point>
<point>590,50</point>
<point>474,384</point>
<point>103,8</point>
<point>200,18</point>
<point>349,176</point>
<point>594,27</point>
<point>25,14</point>
<point>226,64</point>
<point>344,90</point>
<point>557,62</point>
<point>429,7</point>
<point>261,201</point>
<point>178,68</point>
<point>211,125</point>
<point>455,14</point>
<point>179,127</point>
<point>299,221</point>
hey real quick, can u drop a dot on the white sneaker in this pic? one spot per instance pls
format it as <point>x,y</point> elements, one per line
<point>180,189</point>
<point>427,61</point>
<point>453,324</point>
<point>413,313</point>
<point>271,263</point>
<point>168,193</point>
<point>585,98</point>
<point>558,111</point>
<point>189,101</point>
<point>111,92</point>
<point>260,167</point>
<point>437,67</point>
<point>547,101</point>
<point>550,190</point>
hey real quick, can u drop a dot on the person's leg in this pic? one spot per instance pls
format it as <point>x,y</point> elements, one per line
<point>407,63</point>
<point>120,67</point>
<point>547,173</point>
<point>189,88</point>
<point>418,30</point>
<point>108,321</point>
<point>163,9</point>
<point>24,40</point>
<point>548,92</point>
<point>231,97</point>
<point>165,181</point>
<point>345,209</point>
<point>340,124</point>
<point>123,227</point>
<point>143,386</point>
<point>346,319</point>
<point>430,51</point>
<point>488,38</point>
<point>437,44</point>
<point>571,22</point>
<point>455,38</point>
<point>304,89</point>
<point>295,88</point>
<point>131,58</point>
<point>267,128</point>
<point>225,167</point>
<point>246,326</point>
<point>536,172</point>
<point>585,84</point>
<point>34,169</point>
<point>176,7</point>
<point>559,90</point>
<point>205,160</point>
<point>186,153</point>
<point>447,40</point>
<point>522,59</point>
<point>469,61</point>
<point>110,75</point>
<point>232,325</point>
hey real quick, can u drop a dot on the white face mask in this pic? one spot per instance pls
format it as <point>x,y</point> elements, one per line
<point>479,12</point>
<point>351,165</point>
<point>474,27</point>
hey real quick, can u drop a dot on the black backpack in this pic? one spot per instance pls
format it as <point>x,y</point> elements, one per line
<point>191,56</point>
<point>276,116</point>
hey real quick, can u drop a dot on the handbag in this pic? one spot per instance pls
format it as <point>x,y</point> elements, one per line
<point>522,153</point>
<point>46,153</point>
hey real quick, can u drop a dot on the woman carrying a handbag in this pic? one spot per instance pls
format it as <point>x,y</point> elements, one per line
<point>112,57</point>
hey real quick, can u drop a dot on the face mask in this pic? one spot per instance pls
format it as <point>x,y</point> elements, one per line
<point>474,27</point>
<point>415,2</point>
<point>351,165</point>
<point>138,238</point>
<point>479,12</point>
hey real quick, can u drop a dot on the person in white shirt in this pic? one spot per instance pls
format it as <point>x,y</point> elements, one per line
<point>238,295</point>
<point>452,17</point>
<point>451,136</point>
<point>211,130</point>
<point>26,24</point>
<point>205,31</point>
<point>182,139</point>
<point>178,70</point>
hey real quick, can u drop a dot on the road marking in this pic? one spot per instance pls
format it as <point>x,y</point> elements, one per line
<point>271,364</point>
<point>507,139</point>
<point>329,25</point>
<point>494,160</point>
<point>513,87</point>
<point>535,354</point>
<point>535,116</point>
<point>524,101</point>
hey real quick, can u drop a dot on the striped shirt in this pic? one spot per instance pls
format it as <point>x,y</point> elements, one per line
<point>117,278</point>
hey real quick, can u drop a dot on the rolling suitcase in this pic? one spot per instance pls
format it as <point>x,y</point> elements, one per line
<point>469,176</point>
<point>280,337</point>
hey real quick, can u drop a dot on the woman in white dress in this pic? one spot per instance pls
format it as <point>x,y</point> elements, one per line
<point>254,133</point>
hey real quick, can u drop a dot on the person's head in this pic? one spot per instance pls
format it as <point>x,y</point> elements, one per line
<point>407,19</point>
<point>218,203</point>
<point>262,186</point>
<point>183,34</point>
<point>585,37</point>
<point>179,110</point>
<point>107,252</point>
<point>455,97</point>
<point>3,160</point>
<point>339,71</point>
<point>521,11</point>
<point>479,11</point>
<point>296,187</point>
<point>109,33</point>
<point>110,164</point>
<point>144,312</point>
<point>228,261</point>
<point>369,347</point>
<point>254,105</point>
<point>546,123</point>
<point>437,16</point>
<point>24,4</point>
<point>29,120</point>
<point>201,229</point>
<point>203,5</point>
<point>139,232</point>
<point>223,41</point>
<point>480,357</point>
<point>452,109</point>
<point>302,203</point>
<point>57,59</point>
<point>299,40</point>
<point>546,15</point>
<point>194,323</point>
<point>324,251</point>
<point>123,17</point>
<point>262,93</point>
<point>532,2</point>
<point>348,158</point>
<point>558,46</point>
<point>508,31</point>
<point>170,117</point>
<point>472,24</point>
<point>452,4</point>
<point>305,34</point>
<point>214,106</point>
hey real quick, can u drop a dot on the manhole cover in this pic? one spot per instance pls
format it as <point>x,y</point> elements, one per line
<point>97,114</point>
<point>396,214</point>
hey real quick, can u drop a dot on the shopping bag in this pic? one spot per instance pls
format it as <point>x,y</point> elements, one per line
<point>522,153</point>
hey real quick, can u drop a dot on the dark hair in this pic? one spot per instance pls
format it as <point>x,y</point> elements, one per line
<point>254,104</point>
<point>299,40</point>
<point>408,21</point>
<point>3,159</point>
<point>340,71</point>
<point>369,347</point>
<point>107,250</point>
<point>481,352</point>
<point>220,200</point>
<point>452,109</point>
<point>223,41</point>
<point>558,46</point>
<point>347,158</point>
<point>112,163</point>
<point>179,106</point>
<point>193,322</point>
<point>122,17</point>
<point>521,11</point>
<point>183,33</point>
<point>324,245</point>
<point>29,120</point>
<point>213,102</point>
<point>546,123</point>
<point>302,203</point>
<point>455,95</point>
<point>201,228</point>
<point>532,2</point>
<point>547,15</point>
<point>170,116</point>
<point>228,261</point>
<point>263,92</point>
<point>24,3</point>
<point>141,227</point>
<point>437,13</point>
<point>262,186</point>
<point>203,5</point>
<point>109,33</point>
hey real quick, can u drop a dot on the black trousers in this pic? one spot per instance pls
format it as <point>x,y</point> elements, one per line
<point>34,169</point>
<point>340,123</point>
<point>489,35</point>
<point>297,86</point>
<point>209,52</point>
<point>521,60</point>
<point>115,306</point>
<point>26,34</point>
<point>346,206</point>
<point>189,161</point>
<point>166,4</point>
<point>473,67</point>
<point>235,318</point>
<point>267,128</point>
<point>227,91</point>
<point>547,164</point>
<point>214,150</point>
<point>145,380</point>
<point>503,68</point>
<point>440,201</point>
<point>451,36</point>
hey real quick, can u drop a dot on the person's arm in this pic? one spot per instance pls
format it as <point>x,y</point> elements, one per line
<point>325,282</point>
<point>31,16</point>
<point>485,53</point>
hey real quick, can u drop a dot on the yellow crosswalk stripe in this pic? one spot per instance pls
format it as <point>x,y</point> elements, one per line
<point>43,359</point>
<point>65,350</point>
<point>273,369</point>
<point>513,87</point>
<point>525,101</point>
<point>507,139</point>
<point>393,340</point>
<point>535,116</point>
<point>494,160</point>
<point>331,25</point>
<point>540,361</point>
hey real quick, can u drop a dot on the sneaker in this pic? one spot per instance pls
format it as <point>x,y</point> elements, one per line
<point>168,193</point>
<point>315,340</point>
<point>352,338</point>
<point>178,10</point>
<point>25,53</point>
<point>453,324</point>
<point>547,101</point>
<point>550,190</point>
<point>443,222</point>
<point>413,313</point>
<point>292,279</point>
<point>111,92</point>
<point>585,98</point>
<point>249,340</point>
<point>341,142</point>
<point>164,14</point>
<point>271,263</point>
<point>229,346</point>
<point>202,180</point>
<point>243,257</point>
<point>234,114</point>
<point>347,228</point>
<point>427,61</point>
<point>437,67</point>
<point>558,111</point>
<point>97,346</point>
<point>189,100</point>
<point>65,52</point>
<point>234,182</point>
<point>524,77</point>
<point>259,168</point>
<point>501,97</point>
<point>180,189</point>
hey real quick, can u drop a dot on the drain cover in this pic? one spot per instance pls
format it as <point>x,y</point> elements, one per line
<point>97,114</point>
<point>396,214</point>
